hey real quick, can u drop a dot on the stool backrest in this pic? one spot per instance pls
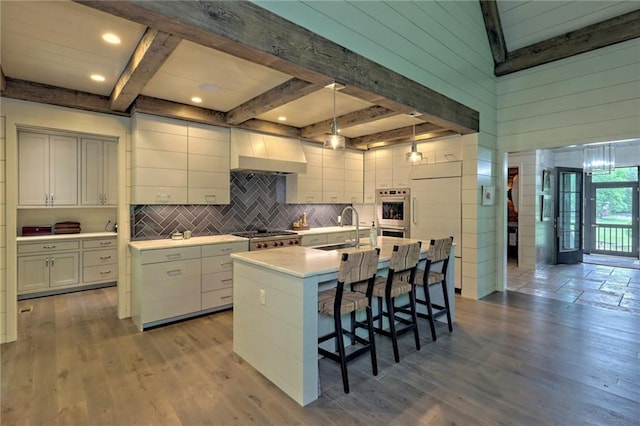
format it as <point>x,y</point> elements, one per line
<point>405,257</point>
<point>358,266</point>
<point>440,249</point>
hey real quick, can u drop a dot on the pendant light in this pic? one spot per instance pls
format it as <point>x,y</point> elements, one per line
<point>599,159</point>
<point>414,157</point>
<point>334,140</point>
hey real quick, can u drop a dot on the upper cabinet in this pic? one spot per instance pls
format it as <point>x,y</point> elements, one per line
<point>332,177</point>
<point>208,177</point>
<point>47,170</point>
<point>99,168</point>
<point>175,162</point>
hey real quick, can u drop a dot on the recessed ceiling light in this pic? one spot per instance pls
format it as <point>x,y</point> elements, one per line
<point>97,77</point>
<point>209,87</point>
<point>282,118</point>
<point>111,38</point>
<point>196,99</point>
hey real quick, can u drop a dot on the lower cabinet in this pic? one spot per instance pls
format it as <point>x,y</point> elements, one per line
<point>55,266</point>
<point>169,284</point>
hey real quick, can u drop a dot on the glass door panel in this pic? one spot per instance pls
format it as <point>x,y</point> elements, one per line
<point>569,215</point>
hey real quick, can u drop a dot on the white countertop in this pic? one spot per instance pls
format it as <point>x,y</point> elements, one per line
<point>80,235</point>
<point>304,261</point>
<point>194,241</point>
<point>329,229</point>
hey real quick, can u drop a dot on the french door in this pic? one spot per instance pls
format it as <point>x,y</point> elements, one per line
<point>568,220</point>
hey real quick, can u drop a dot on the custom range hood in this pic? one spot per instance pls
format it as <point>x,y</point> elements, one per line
<point>257,152</point>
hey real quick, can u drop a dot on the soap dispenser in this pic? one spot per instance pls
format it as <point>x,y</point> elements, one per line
<point>373,235</point>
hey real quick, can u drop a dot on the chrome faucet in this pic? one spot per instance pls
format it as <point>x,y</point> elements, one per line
<point>357,222</point>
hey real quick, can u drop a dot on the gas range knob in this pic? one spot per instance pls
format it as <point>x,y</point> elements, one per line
<point>258,245</point>
<point>280,243</point>
<point>296,242</point>
<point>290,242</point>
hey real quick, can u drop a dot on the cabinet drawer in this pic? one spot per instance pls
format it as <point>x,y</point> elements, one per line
<point>168,308</point>
<point>48,246</point>
<point>339,237</point>
<point>314,240</point>
<point>216,264</point>
<point>164,255</point>
<point>214,299</point>
<point>99,257</point>
<point>226,248</point>
<point>91,244</point>
<point>175,288</point>
<point>217,281</point>
<point>178,270</point>
<point>100,273</point>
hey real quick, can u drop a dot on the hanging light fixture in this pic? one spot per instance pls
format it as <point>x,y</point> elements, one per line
<point>599,159</point>
<point>414,157</point>
<point>334,140</point>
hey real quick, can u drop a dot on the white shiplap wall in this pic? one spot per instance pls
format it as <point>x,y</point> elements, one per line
<point>3,233</point>
<point>442,45</point>
<point>587,98</point>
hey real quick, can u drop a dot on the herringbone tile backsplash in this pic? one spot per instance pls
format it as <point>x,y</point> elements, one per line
<point>257,200</point>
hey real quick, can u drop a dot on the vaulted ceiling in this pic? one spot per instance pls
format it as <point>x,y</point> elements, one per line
<point>249,71</point>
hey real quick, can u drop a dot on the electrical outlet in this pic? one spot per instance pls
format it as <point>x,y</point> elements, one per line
<point>263,297</point>
<point>339,219</point>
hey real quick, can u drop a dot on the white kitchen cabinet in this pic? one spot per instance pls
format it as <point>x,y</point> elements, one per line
<point>159,161</point>
<point>333,183</point>
<point>369,195</point>
<point>47,169</point>
<point>217,274</point>
<point>353,177</point>
<point>165,284</point>
<point>99,172</point>
<point>306,188</point>
<point>208,177</point>
<point>48,266</point>
<point>384,168</point>
<point>313,240</point>
<point>401,169</point>
<point>99,261</point>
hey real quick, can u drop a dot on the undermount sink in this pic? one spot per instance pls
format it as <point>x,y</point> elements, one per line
<point>338,246</point>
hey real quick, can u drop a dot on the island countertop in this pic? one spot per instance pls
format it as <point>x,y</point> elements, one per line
<point>305,262</point>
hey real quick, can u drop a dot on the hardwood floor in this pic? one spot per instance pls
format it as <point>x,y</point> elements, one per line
<point>512,359</point>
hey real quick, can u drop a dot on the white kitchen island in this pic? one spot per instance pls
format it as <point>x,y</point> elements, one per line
<point>275,310</point>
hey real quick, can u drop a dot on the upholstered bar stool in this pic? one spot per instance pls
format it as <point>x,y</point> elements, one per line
<point>358,268</point>
<point>402,272</point>
<point>435,272</point>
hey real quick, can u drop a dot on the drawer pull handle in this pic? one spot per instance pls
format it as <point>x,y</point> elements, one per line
<point>174,256</point>
<point>105,273</point>
<point>226,281</point>
<point>174,272</point>
<point>226,297</point>
<point>105,257</point>
<point>227,249</point>
<point>49,247</point>
<point>105,243</point>
<point>226,263</point>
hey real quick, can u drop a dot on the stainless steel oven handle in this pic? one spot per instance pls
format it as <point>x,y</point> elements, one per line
<point>413,211</point>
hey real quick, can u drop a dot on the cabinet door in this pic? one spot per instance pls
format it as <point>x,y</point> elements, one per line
<point>63,170</point>
<point>64,269</point>
<point>33,273</point>
<point>33,169</point>
<point>110,173</point>
<point>91,167</point>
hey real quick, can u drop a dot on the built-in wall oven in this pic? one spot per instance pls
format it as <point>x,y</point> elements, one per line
<point>393,211</point>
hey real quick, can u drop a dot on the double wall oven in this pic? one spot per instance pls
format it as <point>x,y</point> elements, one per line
<point>393,211</point>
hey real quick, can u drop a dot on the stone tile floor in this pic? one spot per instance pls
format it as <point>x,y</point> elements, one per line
<point>603,286</point>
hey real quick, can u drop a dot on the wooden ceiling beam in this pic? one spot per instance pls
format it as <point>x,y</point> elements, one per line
<point>245,30</point>
<point>436,134</point>
<point>391,135</point>
<point>494,30</point>
<point>615,30</point>
<point>53,95</point>
<point>151,52</point>
<point>351,119</point>
<point>288,91</point>
<point>160,107</point>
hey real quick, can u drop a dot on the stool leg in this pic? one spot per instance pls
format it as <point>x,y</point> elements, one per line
<point>353,327</point>
<point>414,318</point>
<point>392,328</point>
<point>340,344</point>
<point>427,298</point>
<point>380,313</point>
<point>372,342</point>
<point>445,293</point>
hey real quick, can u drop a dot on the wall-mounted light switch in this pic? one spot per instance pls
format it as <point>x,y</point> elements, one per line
<point>263,297</point>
